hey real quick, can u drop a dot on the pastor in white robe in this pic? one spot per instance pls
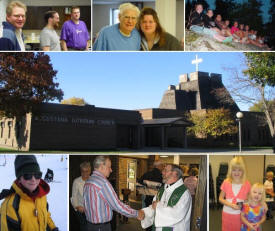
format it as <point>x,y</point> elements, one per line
<point>176,217</point>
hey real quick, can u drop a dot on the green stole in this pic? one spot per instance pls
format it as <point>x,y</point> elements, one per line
<point>173,200</point>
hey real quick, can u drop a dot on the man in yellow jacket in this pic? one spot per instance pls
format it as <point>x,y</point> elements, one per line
<point>25,206</point>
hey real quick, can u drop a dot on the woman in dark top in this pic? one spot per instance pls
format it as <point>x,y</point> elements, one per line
<point>196,17</point>
<point>209,22</point>
<point>153,36</point>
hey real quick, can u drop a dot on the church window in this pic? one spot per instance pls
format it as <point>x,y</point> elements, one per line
<point>2,129</point>
<point>9,126</point>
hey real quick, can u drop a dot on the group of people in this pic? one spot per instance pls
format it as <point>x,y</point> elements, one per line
<point>136,30</point>
<point>245,206</point>
<point>94,198</point>
<point>74,33</point>
<point>220,30</point>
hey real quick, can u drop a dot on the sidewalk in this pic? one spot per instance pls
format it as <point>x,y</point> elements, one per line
<point>192,151</point>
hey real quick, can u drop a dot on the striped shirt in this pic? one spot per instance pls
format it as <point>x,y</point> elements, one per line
<point>100,200</point>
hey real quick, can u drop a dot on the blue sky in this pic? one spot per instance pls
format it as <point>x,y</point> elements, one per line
<point>132,80</point>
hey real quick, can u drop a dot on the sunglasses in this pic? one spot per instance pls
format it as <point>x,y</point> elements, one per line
<point>28,176</point>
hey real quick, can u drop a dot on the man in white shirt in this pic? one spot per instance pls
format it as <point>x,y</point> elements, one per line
<point>77,194</point>
<point>171,207</point>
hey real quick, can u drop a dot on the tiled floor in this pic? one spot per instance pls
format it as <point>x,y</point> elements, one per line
<point>132,225</point>
<point>215,221</point>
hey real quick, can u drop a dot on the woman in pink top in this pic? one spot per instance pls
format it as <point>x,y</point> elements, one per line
<point>234,190</point>
<point>234,28</point>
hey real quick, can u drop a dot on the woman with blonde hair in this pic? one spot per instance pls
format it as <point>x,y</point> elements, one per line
<point>234,191</point>
<point>153,36</point>
<point>254,211</point>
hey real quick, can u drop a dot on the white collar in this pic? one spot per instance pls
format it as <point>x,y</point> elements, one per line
<point>174,186</point>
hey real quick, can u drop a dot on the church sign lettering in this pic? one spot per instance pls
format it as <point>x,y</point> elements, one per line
<point>74,120</point>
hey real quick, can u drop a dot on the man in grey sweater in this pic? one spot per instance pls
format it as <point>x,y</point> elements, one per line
<point>49,39</point>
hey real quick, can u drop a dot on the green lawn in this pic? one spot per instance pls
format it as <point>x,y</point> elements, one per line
<point>7,150</point>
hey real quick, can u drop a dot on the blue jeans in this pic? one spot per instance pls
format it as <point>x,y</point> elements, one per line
<point>202,30</point>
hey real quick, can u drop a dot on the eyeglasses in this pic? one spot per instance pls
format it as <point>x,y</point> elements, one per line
<point>128,18</point>
<point>167,170</point>
<point>28,176</point>
<point>18,16</point>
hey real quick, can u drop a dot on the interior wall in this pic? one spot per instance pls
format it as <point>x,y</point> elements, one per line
<point>254,166</point>
<point>180,19</point>
<point>3,5</point>
<point>101,16</point>
<point>186,160</point>
<point>167,15</point>
<point>270,159</point>
<point>149,4</point>
<point>57,2</point>
<point>215,161</point>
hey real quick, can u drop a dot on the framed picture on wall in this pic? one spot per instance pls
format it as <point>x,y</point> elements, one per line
<point>131,170</point>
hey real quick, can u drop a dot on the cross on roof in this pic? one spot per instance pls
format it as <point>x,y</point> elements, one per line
<point>197,61</point>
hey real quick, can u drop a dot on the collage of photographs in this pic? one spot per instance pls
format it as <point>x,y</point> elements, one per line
<point>137,115</point>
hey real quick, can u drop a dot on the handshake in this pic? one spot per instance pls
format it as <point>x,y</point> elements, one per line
<point>141,215</point>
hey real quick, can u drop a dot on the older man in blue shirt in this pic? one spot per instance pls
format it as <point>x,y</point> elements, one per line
<point>122,36</point>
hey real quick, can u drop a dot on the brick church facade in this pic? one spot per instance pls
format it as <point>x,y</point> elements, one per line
<point>69,127</point>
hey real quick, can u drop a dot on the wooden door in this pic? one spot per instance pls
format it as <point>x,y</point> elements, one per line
<point>199,218</point>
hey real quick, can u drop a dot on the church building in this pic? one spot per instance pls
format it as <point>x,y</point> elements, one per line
<point>70,127</point>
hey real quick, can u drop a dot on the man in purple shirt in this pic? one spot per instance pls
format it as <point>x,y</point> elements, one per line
<point>74,33</point>
<point>100,199</point>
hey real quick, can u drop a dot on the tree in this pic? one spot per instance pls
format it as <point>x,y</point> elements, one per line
<point>26,80</point>
<point>261,68</point>
<point>213,122</point>
<point>249,12</point>
<point>225,8</point>
<point>261,72</point>
<point>254,83</point>
<point>188,8</point>
<point>272,10</point>
<point>259,107</point>
<point>74,101</point>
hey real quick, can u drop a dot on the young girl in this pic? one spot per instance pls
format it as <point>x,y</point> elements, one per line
<point>253,212</point>
<point>234,190</point>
